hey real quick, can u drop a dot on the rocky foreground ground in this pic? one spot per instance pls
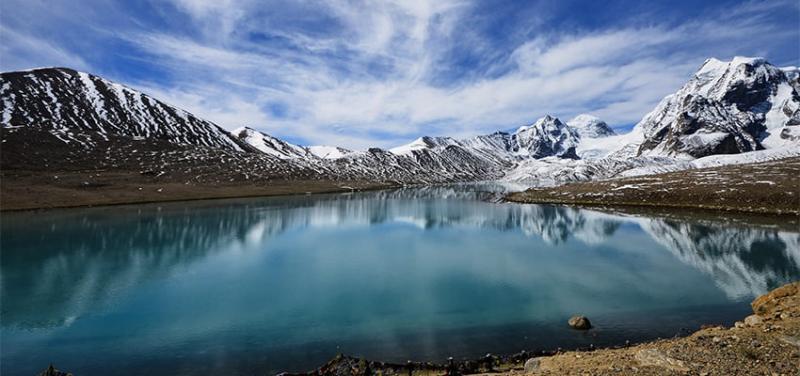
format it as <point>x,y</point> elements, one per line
<point>766,187</point>
<point>765,343</point>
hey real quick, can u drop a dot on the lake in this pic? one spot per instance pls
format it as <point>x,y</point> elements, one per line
<point>259,286</point>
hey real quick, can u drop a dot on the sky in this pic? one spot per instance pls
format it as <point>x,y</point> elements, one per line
<point>360,74</point>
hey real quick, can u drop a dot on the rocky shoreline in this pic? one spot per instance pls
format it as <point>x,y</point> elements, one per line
<point>768,187</point>
<point>764,343</point>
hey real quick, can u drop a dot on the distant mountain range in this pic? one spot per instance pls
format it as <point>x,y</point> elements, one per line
<point>746,107</point>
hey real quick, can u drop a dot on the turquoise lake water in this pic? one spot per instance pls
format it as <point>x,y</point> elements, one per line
<point>260,286</point>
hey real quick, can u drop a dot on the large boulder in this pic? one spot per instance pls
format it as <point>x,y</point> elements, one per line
<point>580,323</point>
<point>783,298</point>
<point>532,365</point>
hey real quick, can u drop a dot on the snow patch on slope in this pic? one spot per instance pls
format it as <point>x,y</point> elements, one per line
<point>328,152</point>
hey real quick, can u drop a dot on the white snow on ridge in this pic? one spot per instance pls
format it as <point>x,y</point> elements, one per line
<point>717,161</point>
<point>268,144</point>
<point>604,147</point>
<point>328,152</point>
<point>589,126</point>
<point>83,108</point>
<point>726,107</point>
<point>735,101</point>
<point>284,150</point>
<point>423,143</point>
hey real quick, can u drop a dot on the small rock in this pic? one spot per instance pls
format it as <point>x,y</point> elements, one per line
<point>52,371</point>
<point>790,340</point>
<point>738,324</point>
<point>580,323</point>
<point>654,357</point>
<point>753,320</point>
<point>755,343</point>
<point>532,365</point>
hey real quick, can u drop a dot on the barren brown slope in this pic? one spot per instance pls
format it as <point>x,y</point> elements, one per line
<point>766,187</point>
<point>38,171</point>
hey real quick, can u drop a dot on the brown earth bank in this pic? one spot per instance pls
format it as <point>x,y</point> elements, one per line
<point>767,187</point>
<point>33,190</point>
<point>765,343</point>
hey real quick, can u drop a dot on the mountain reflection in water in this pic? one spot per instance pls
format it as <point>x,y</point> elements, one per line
<point>348,260</point>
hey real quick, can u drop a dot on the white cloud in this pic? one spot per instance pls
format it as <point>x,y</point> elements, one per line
<point>368,76</point>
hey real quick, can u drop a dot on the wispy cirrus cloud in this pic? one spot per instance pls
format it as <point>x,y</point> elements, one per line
<point>19,49</point>
<point>362,73</point>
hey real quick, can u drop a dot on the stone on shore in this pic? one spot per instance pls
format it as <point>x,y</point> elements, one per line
<point>532,365</point>
<point>753,320</point>
<point>787,296</point>
<point>657,358</point>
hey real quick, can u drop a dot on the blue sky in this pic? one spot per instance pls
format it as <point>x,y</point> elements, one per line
<point>381,73</point>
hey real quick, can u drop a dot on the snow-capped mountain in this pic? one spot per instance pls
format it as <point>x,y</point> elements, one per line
<point>742,111</point>
<point>284,150</point>
<point>81,108</point>
<point>270,145</point>
<point>741,106</point>
<point>432,160</point>
<point>328,152</point>
<point>547,137</point>
<point>725,108</point>
<point>589,126</point>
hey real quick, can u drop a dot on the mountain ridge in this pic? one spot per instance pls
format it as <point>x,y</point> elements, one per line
<point>740,106</point>
<point>725,108</point>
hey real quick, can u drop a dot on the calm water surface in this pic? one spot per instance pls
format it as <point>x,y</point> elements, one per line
<point>259,286</point>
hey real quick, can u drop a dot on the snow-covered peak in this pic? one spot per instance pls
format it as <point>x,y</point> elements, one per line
<point>545,122</point>
<point>728,107</point>
<point>589,126</point>
<point>285,150</point>
<point>716,79</point>
<point>547,137</point>
<point>328,152</point>
<point>793,75</point>
<point>425,142</point>
<point>268,144</point>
